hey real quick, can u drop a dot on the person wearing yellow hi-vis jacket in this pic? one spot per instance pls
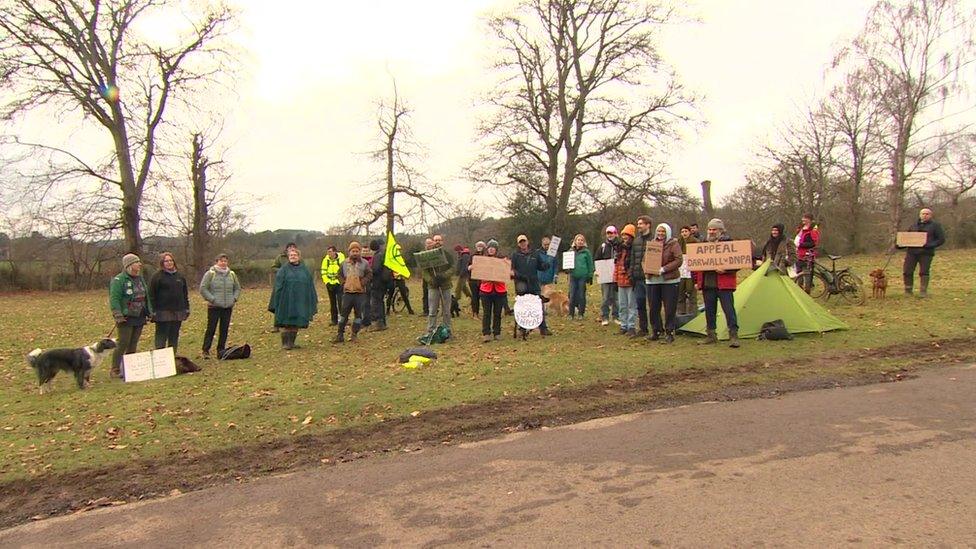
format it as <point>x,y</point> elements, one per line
<point>330,277</point>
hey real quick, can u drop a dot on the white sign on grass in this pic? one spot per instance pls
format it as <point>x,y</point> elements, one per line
<point>604,270</point>
<point>149,365</point>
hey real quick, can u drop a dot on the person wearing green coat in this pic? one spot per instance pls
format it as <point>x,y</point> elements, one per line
<point>581,275</point>
<point>128,297</point>
<point>294,299</point>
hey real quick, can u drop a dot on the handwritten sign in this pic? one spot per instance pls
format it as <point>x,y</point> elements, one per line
<point>149,365</point>
<point>430,259</point>
<point>653,254</point>
<point>911,239</point>
<point>569,260</point>
<point>725,256</point>
<point>553,246</point>
<point>493,269</point>
<point>604,270</point>
<point>528,311</point>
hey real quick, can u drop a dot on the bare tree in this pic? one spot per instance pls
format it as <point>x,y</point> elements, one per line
<point>584,103</point>
<point>401,180</point>
<point>87,58</point>
<point>915,56</point>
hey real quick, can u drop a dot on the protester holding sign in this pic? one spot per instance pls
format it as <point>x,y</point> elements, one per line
<point>526,266</point>
<point>637,270</point>
<point>439,283</point>
<point>687,294</point>
<point>474,284</point>
<point>807,241</point>
<point>294,300</point>
<point>548,276</point>
<point>608,288</point>
<point>922,257</point>
<point>493,295</point>
<point>355,275</point>
<point>582,274</point>
<point>663,285</point>
<point>718,286</point>
<point>626,306</point>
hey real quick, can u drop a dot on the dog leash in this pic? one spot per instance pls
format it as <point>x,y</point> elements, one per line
<point>890,255</point>
<point>112,331</point>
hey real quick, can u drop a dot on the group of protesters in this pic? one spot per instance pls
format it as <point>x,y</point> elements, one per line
<point>360,286</point>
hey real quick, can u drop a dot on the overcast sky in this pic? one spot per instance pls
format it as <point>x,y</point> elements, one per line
<point>304,113</point>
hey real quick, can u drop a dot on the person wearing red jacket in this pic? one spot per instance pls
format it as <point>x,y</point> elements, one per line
<point>493,296</point>
<point>807,243</point>
<point>718,287</point>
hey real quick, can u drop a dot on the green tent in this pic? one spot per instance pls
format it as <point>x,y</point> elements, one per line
<point>769,295</point>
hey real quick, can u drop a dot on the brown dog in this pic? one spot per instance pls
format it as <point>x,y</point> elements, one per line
<point>558,301</point>
<point>879,284</point>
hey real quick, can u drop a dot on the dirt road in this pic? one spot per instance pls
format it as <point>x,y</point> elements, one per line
<point>877,464</point>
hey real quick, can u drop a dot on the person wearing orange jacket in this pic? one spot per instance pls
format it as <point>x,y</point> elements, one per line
<point>626,302</point>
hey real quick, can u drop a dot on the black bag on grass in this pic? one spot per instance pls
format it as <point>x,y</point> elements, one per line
<point>774,331</point>
<point>235,352</point>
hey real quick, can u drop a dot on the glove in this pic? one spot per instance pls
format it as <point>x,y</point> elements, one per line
<point>661,270</point>
<point>119,317</point>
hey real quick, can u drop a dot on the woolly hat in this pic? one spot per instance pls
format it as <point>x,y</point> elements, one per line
<point>611,229</point>
<point>492,243</point>
<point>129,259</point>
<point>355,246</point>
<point>375,244</point>
<point>630,230</point>
<point>716,224</point>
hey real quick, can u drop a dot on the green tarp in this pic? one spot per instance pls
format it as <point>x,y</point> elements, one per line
<point>768,295</point>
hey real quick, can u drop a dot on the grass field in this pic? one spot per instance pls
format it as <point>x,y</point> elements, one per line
<point>322,387</point>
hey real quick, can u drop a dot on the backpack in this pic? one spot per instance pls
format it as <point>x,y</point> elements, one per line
<point>774,331</point>
<point>439,334</point>
<point>235,352</point>
<point>420,351</point>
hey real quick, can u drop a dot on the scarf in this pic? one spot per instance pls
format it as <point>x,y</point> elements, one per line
<point>222,271</point>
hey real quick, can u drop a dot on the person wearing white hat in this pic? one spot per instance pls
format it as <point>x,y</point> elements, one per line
<point>608,289</point>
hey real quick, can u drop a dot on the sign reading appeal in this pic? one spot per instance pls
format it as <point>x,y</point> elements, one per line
<point>715,256</point>
<point>911,239</point>
<point>653,254</point>
<point>492,269</point>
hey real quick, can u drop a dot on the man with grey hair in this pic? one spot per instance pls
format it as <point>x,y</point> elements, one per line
<point>439,286</point>
<point>922,257</point>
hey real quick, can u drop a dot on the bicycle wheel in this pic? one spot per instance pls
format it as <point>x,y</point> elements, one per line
<point>851,288</point>
<point>820,287</point>
<point>398,302</point>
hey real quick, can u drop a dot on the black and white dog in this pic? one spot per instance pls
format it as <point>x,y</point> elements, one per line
<point>80,362</point>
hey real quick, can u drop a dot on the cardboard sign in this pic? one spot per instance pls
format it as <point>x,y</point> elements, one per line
<point>493,269</point>
<point>429,259</point>
<point>149,365</point>
<point>604,270</point>
<point>907,239</point>
<point>553,246</point>
<point>653,253</point>
<point>715,256</point>
<point>569,260</point>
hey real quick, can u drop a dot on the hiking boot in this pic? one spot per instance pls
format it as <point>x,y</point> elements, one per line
<point>654,336</point>
<point>604,323</point>
<point>291,340</point>
<point>340,338</point>
<point>114,373</point>
<point>486,338</point>
<point>668,337</point>
<point>734,338</point>
<point>497,337</point>
<point>631,333</point>
<point>622,332</point>
<point>545,332</point>
<point>923,286</point>
<point>205,354</point>
<point>908,284</point>
<point>286,342</point>
<point>641,333</point>
<point>710,338</point>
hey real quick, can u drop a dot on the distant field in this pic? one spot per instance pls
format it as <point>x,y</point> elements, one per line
<point>321,388</point>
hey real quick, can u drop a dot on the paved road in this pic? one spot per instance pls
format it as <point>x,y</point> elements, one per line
<point>880,464</point>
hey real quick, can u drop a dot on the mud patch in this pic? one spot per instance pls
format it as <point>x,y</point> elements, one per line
<point>47,496</point>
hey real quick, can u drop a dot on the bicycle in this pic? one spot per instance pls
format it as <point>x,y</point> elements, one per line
<point>395,301</point>
<point>827,282</point>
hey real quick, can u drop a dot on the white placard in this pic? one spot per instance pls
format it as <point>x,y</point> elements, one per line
<point>528,311</point>
<point>569,260</point>
<point>553,246</point>
<point>149,365</point>
<point>604,270</point>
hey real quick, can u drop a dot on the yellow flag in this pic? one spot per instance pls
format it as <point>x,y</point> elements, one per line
<point>394,258</point>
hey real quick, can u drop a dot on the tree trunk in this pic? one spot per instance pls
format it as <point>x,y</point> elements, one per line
<point>390,194</point>
<point>706,187</point>
<point>201,213</point>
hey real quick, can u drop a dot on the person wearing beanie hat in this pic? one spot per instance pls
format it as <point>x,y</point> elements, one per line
<point>493,296</point>
<point>663,286</point>
<point>295,299</point>
<point>355,275</point>
<point>608,288</point>
<point>354,246</point>
<point>378,287</point>
<point>718,287</point>
<point>131,308</point>
<point>475,285</point>
<point>626,303</point>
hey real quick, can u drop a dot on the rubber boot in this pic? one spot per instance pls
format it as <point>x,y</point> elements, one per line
<point>285,340</point>
<point>908,284</point>
<point>710,338</point>
<point>923,286</point>
<point>292,338</point>
<point>734,338</point>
